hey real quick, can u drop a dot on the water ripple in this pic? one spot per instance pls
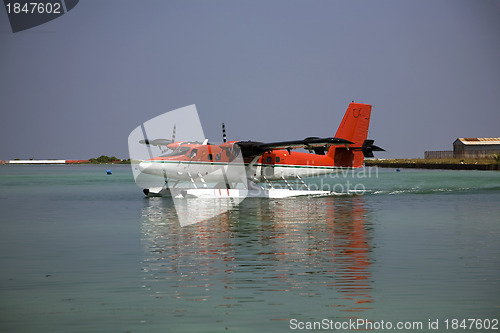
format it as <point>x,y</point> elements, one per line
<point>262,250</point>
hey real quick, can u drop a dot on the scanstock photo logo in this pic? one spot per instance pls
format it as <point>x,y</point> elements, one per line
<point>166,154</point>
<point>28,14</point>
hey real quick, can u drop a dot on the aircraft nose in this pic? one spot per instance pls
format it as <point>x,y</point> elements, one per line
<point>143,166</point>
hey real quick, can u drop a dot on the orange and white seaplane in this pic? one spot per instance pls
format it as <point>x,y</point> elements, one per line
<point>249,168</point>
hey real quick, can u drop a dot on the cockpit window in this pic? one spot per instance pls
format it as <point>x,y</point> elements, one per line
<point>178,152</point>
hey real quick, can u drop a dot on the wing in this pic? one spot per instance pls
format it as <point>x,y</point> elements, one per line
<point>159,142</point>
<point>156,142</point>
<point>253,148</point>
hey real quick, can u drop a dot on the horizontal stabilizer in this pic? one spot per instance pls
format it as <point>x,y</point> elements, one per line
<point>368,148</point>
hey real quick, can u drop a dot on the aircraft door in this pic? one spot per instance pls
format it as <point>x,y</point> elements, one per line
<point>268,161</point>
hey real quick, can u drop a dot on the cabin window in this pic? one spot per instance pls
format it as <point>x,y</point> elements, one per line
<point>269,160</point>
<point>277,159</point>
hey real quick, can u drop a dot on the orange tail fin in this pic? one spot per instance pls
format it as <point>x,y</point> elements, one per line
<point>354,127</point>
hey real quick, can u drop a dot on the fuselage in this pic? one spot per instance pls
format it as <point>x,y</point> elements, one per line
<point>189,161</point>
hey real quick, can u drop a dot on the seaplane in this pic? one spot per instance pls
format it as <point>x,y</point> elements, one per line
<point>252,168</point>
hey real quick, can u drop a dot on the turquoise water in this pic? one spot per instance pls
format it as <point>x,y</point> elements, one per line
<point>82,251</point>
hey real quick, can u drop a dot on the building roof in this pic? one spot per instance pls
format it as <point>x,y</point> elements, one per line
<point>479,141</point>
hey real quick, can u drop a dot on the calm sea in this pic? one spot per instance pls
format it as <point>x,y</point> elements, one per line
<point>83,251</point>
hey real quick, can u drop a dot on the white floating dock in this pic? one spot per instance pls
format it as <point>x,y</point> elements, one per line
<point>36,162</point>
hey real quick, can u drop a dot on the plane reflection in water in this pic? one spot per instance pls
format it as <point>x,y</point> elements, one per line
<point>292,254</point>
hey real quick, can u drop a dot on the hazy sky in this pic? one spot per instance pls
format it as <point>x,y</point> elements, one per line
<point>77,86</point>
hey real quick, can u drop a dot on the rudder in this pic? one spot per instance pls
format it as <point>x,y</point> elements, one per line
<point>354,127</point>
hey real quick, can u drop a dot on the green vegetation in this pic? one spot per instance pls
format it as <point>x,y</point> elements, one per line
<point>489,163</point>
<point>103,159</point>
<point>481,161</point>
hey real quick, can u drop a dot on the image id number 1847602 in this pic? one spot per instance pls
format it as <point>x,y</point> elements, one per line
<point>33,8</point>
<point>471,324</point>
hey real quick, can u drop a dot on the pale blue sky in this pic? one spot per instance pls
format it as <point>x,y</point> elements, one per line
<point>76,87</point>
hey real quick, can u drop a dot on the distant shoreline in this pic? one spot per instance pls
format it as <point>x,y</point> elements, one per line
<point>448,164</point>
<point>103,159</point>
<point>62,163</point>
<point>412,163</point>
